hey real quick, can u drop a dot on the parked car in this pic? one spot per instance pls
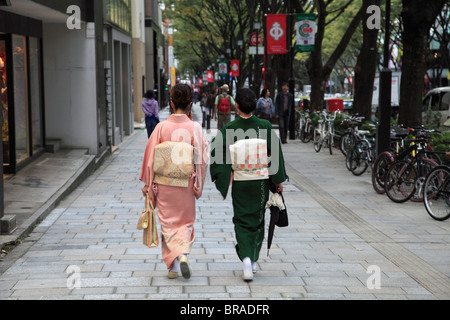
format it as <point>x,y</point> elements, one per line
<point>436,106</point>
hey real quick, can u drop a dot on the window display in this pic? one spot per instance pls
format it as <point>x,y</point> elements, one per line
<point>35,94</point>
<point>20,97</point>
<point>4,103</point>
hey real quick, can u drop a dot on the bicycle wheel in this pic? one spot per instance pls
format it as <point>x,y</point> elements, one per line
<point>307,133</point>
<point>330,143</point>
<point>317,141</point>
<point>347,142</point>
<point>400,181</point>
<point>423,169</point>
<point>380,167</point>
<point>300,123</point>
<point>302,134</point>
<point>358,159</point>
<point>437,193</point>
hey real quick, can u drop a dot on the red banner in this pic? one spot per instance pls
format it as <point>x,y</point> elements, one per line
<point>276,34</point>
<point>210,76</point>
<point>234,66</point>
<point>200,82</point>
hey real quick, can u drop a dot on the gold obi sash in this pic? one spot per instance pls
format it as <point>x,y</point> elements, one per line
<point>173,164</point>
<point>249,160</point>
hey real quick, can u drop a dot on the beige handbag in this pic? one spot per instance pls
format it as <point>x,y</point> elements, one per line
<point>147,222</point>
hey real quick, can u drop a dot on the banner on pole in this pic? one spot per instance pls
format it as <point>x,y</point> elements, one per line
<point>276,34</point>
<point>235,68</point>
<point>210,77</point>
<point>306,32</point>
<point>223,68</point>
<point>173,75</point>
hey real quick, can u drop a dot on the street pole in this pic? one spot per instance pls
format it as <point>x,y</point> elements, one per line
<point>291,72</point>
<point>384,126</point>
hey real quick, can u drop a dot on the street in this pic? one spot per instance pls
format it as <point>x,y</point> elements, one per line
<point>344,241</point>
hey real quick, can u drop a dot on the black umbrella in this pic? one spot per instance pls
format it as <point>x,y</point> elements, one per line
<point>278,217</point>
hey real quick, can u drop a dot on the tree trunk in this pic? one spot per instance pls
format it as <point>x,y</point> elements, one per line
<point>366,67</point>
<point>319,73</point>
<point>417,21</point>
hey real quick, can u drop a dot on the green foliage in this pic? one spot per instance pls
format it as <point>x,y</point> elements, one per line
<point>441,143</point>
<point>340,123</point>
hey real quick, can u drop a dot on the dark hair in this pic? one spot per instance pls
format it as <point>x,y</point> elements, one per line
<point>181,96</point>
<point>246,99</point>
<point>150,94</point>
<point>263,93</point>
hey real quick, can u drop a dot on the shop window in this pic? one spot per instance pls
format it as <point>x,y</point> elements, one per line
<point>21,114</point>
<point>21,100</point>
<point>35,94</point>
<point>4,102</point>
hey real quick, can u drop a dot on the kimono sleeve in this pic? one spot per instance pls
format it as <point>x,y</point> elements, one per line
<point>201,159</point>
<point>147,174</point>
<point>220,169</point>
<point>277,168</point>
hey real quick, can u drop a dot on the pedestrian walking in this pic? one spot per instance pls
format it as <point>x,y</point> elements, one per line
<point>264,107</point>
<point>284,107</point>
<point>255,165</point>
<point>222,107</point>
<point>151,110</point>
<point>210,106</point>
<point>204,108</point>
<point>176,181</point>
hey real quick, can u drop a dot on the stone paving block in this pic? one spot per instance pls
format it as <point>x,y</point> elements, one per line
<point>317,257</point>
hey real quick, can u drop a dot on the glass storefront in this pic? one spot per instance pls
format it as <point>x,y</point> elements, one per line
<point>21,99</point>
<point>35,75</point>
<point>4,102</point>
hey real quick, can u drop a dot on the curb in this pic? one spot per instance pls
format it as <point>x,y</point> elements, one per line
<point>77,178</point>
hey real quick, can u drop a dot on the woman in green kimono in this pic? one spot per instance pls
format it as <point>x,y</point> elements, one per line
<point>248,152</point>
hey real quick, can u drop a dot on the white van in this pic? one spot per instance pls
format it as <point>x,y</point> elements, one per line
<point>436,106</point>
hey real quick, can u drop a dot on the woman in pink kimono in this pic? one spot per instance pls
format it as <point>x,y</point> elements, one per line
<point>173,195</point>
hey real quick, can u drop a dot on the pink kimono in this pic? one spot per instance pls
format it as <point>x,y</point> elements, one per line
<point>176,205</point>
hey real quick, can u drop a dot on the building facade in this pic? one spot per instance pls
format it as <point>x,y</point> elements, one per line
<point>67,75</point>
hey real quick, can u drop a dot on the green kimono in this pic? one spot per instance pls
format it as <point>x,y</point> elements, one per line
<point>249,197</point>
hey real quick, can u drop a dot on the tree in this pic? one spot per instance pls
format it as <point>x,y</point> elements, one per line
<point>317,70</point>
<point>366,65</point>
<point>205,29</point>
<point>417,20</point>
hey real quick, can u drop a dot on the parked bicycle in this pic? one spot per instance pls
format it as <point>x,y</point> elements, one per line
<point>307,130</point>
<point>299,123</point>
<point>405,177</point>
<point>385,159</point>
<point>362,155</point>
<point>324,133</point>
<point>437,192</point>
<point>351,136</point>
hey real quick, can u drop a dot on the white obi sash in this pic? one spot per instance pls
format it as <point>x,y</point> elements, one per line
<point>173,164</point>
<point>249,160</point>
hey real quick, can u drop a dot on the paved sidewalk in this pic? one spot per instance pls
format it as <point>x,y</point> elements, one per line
<point>339,229</point>
<point>33,192</point>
